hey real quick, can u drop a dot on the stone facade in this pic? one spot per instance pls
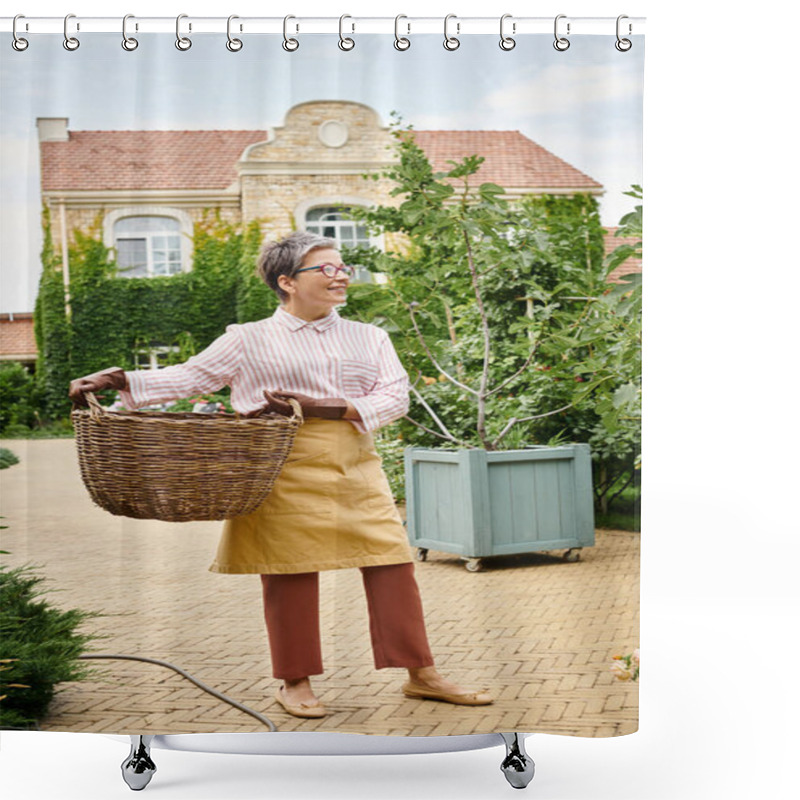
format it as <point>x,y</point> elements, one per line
<point>317,157</point>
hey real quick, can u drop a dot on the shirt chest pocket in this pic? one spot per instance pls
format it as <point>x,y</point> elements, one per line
<point>357,377</point>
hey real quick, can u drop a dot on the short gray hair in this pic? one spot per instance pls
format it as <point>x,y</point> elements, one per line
<point>286,257</point>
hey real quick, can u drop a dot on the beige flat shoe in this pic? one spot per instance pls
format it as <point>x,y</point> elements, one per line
<point>302,710</point>
<point>467,699</point>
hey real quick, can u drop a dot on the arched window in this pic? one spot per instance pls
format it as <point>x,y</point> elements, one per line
<point>335,222</point>
<point>148,246</point>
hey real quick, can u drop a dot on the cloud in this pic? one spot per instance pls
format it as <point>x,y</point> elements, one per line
<point>561,90</point>
<point>592,99</point>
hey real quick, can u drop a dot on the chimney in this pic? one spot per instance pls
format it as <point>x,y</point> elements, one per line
<point>53,129</point>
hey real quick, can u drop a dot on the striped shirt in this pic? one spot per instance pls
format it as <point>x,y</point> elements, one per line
<point>325,358</point>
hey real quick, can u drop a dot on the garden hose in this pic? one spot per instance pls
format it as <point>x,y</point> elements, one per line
<point>199,684</point>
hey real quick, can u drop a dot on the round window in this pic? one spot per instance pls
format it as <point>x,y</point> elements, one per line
<point>333,133</point>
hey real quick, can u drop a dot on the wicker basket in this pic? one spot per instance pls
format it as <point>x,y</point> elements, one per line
<point>180,466</point>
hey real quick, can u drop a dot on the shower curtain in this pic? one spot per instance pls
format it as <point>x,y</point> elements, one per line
<point>489,199</point>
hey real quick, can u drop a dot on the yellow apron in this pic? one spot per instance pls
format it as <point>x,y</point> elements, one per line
<point>330,508</point>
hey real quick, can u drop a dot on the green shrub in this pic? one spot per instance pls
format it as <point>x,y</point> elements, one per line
<point>390,446</point>
<point>7,458</point>
<point>18,396</point>
<point>39,648</point>
<point>57,429</point>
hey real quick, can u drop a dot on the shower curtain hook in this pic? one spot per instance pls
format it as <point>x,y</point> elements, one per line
<point>623,45</point>
<point>346,43</point>
<point>401,43</point>
<point>506,42</point>
<point>289,45</point>
<point>451,42</point>
<point>561,43</point>
<point>18,43</point>
<point>70,42</point>
<point>234,45</point>
<point>128,42</point>
<point>183,43</point>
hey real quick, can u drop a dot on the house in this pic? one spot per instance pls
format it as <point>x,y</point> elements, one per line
<point>148,189</point>
<point>151,187</point>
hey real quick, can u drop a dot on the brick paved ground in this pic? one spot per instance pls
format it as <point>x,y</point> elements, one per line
<point>537,631</point>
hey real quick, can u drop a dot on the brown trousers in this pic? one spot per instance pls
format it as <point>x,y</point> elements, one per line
<point>396,623</point>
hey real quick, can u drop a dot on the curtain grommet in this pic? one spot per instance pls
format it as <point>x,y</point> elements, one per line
<point>561,43</point>
<point>401,43</point>
<point>18,42</point>
<point>183,43</point>
<point>507,43</point>
<point>289,44</point>
<point>451,43</point>
<point>345,42</point>
<point>623,45</point>
<point>70,43</point>
<point>128,42</point>
<point>233,45</point>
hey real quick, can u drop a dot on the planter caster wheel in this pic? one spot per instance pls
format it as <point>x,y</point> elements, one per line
<point>517,766</point>
<point>422,554</point>
<point>572,555</point>
<point>138,768</point>
<point>474,565</point>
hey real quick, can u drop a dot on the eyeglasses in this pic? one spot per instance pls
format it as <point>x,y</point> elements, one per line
<point>330,270</point>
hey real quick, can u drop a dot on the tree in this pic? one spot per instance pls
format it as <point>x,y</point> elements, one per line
<point>616,384</point>
<point>492,299</point>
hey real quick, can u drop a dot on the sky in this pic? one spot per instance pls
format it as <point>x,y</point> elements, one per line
<point>584,104</point>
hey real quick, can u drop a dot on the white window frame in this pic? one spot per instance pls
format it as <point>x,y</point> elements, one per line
<point>185,232</point>
<point>336,224</point>
<point>147,357</point>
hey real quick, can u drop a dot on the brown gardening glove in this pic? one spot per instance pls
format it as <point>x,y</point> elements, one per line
<point>111,378</point>
<point>328,408</point>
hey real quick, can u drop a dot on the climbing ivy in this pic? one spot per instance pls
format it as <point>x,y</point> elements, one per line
<point>52,330</point>
<point>111,318</point>
<point>254,299</point>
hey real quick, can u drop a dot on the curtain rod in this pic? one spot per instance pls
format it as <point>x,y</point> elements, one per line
<point>402,25</point>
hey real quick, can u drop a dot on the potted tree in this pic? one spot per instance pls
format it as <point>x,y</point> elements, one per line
<point>501,309</point>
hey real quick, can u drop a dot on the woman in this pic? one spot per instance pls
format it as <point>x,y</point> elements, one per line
<point>331,507</point>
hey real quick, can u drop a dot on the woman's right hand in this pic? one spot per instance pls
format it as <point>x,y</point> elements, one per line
<point>273,406</point>
<point>111,378</point>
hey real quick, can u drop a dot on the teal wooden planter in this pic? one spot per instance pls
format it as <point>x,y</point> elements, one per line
<point>479,504</point>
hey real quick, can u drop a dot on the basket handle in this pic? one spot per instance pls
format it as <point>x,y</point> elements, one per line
<point>296,408</point>
<point>95,408</point>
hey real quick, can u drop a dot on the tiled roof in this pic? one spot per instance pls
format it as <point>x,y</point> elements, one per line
<point>512,160</point>
<point>119,160</point>
<point>17,341</point>
<point>628,267</point>
<point>105,160</point>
